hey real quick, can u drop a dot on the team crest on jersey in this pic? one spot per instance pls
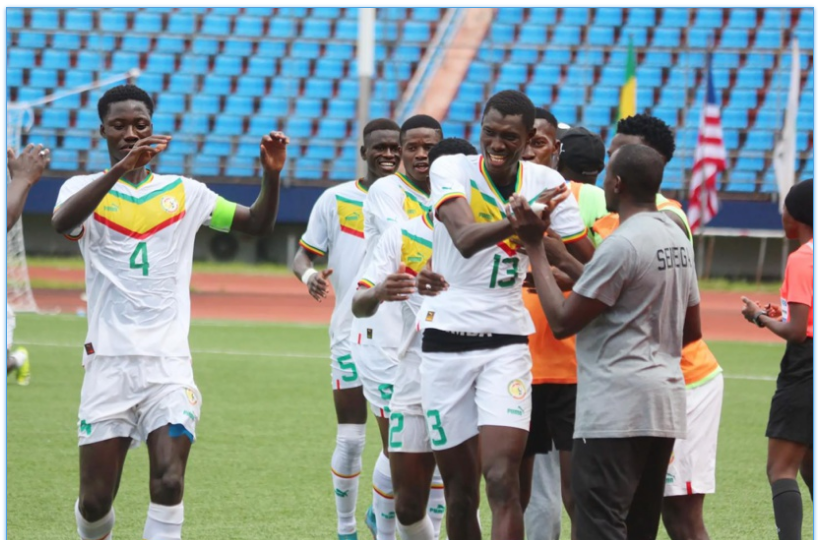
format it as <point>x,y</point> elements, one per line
<point>191,396</point>
<point>170,204</point>
<point>516,389</point>
<point>89,348</point>
<point>430,316</point>
<point>368,333</point>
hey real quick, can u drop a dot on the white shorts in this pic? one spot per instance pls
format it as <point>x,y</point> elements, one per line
<point>406,394</point>
<point>344,371</point>
<point>10,324</point>
<point>378,368</point>
<point>462,391</point>
<point>692,468</point>
<point>132,396</point>
<point>408,432</point>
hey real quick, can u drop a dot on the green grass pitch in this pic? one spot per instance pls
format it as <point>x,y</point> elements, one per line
<point>260,468</point>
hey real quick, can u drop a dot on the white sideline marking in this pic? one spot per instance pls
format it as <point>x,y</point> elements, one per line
<point>315,356</point>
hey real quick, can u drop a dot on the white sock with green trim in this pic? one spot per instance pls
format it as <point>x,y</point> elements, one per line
<point>383,499</point>
<point>346,473</point>
<point>437,502</point>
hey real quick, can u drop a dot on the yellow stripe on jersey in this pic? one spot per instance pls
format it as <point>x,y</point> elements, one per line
<point>574,237</point>
<point>142,217</point>
<point>446,198</point>
<point>350,216</point>
<point>412,206</point>
<point>415,252</point>
<point>311,249</point>
<point>366,284</point>
<point>486,210</point>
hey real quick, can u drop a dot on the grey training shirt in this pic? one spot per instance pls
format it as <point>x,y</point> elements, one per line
<point>630,381</point>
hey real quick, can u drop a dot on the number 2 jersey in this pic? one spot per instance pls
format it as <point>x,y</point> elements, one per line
<point>485,291</point>
<point>138,251</point>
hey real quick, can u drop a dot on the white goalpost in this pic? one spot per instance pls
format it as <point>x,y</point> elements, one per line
<point>20,118</point>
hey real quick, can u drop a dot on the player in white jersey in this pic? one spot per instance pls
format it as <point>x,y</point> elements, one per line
<point>476,367</point>
<point>136,231</point>
<point>402,252</point>
<point>392,199</point>
<point>336,226</point>
<point>23,172</point>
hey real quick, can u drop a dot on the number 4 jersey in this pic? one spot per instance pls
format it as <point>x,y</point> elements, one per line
<point>484,293</point>
<point>138,251</point>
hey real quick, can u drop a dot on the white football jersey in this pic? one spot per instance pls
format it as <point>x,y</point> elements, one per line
<point>484,292</point>
<point>392,199</point>
<point>138,251</point>
<point>337,226</point>
<point>409,244</point>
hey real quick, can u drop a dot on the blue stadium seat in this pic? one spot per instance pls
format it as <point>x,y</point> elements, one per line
<point>601,35</point>
<point>195,124</point>
<point>271,49</point>
<point>575,16</point>
<point>309,169</point>
<point>749,163</point>
<point>513,73</point>
<point>326,13</point>
<point>331,128</point>
<point>249,26</point>
<point>122,61</point>
<point>741,181</point>
<point>471,92</point>
<point>341,108</point>
<point>590,57</point>
<point>453,129</point>
<point>261,66</point>
<point>806,120</point>
<point>162,123</point>
<point>262,125</point>
<point>768,118</point>
<point>204,104</point>
<point>342,170</point>
<point>70,102</point>
<point>386,31</point>
<point>596,115</point>
<point>731,139</point>
<point>648,76</point>
<point>258,11</point>
<point>149,82</point>
<point>430,14</point>
<point>240,166</point>
<point>637,36</point>
<point>320,149</point>
<point>675,17</point>
<point>401,71</point>
<point>319,88</point>
<point>394,14</point>
<point>81,20</point>
<point>171,103</point>
<point>87,119</point>
<point>605,95</point>
<point>667,37</point>
<point>298,128</point>
<point>14,77</point>
<point>36,40</point>
<point>721,78</point>
<point>407,53</point>
<point>316,29</point>
<point>113,21</point>
<point>239,105</point>
<point>45,19</point>
<point>608,16</point>
<point>55,118</point>
<point>747,99</point>
<point>642,17</point>
<point>229,124</point>
<point>136,44</point>
<point>14,18</point>
<point>329,68</point>
<point>294,12</point>
<point>416,32</point>
<point>763,60</point>
<point>205,46</point>
<point>501,34</point>
<point>281,28</point>
<point>565,113</point>
<point>147,22</point>
<point>386,90</point>
<point>539,94</point>
<point>742,18</point>
<point>570,96</point>
<point>64,160</point>
<point>463,112</point>
<point>346,29</point>
<point>54,59</point>
<point>532,34</point>
<point>734,38</point>
<point>247,146</point>
<point>667,114</point>
<point>566,35</point>
<point>612,75</point>
<point>802,141</point>
<point>101,42</point>
<point>309,108</point>
<point>170,44</point>
<point>206,165</point>
<point>543,15</point>
<point>556,56</point>
<point>70,42</point>
<point>734,118</point>
<point>217,84</point>
<point>21,58</point>
<point>708,18</point>
<point>295,67</point>
<point>509,15</point>
<point>161,63</point>
<point>806,19</point>
<point>758,140</point>
<point>722,59</point>
<point>76,142</point>
<point>644,97</point>
<point>228,65</point>
<point>768,39</point>
<point>181,23</point>
<point>478,72</point>
<point>234,47</point>
<point>251,86</point>
<point>300,49</point>
<point>283,87</point>
<point>579,76</point>
<point>217,145</point>
<point>274,106</point>
<point>672,97</point>
<point>545,74</point>
<point>658,59</point>
<point>807,100</point>
<point>775,18</point>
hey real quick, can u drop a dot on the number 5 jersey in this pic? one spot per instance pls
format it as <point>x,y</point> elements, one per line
<point>138,251</point>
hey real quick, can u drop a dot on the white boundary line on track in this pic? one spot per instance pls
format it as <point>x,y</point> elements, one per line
<point>78,346</point>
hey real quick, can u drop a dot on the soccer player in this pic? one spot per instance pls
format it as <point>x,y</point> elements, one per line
<point>544,146</point>
<point>692,470</point>
<point>24,171</point>
<point>789,428</point>
<point>476,368</point>
<point>635,306</point>
<point>336,226</point>
<point>136,230</point>
<point>393,199</point>
<point>401,253</point>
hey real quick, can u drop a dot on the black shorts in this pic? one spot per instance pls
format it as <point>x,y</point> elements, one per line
<point>791,408</point>
<point>553,410</point>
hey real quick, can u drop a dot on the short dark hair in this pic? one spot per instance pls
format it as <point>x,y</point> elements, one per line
<point>450,147</point>
<point>640,168</point>
<point>381,124</point>
<point>420,121</point>
<point>545,114</point>
<point>123,92</point>
<point>512,103</point>
<point>655,132</point>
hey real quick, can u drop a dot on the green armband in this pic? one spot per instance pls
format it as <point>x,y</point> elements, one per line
<point>222,218</point>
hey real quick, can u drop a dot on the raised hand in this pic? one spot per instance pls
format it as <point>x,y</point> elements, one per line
<point>318,285</point>
<point>144,151</point>
<point>30,164</point>
<point>273,151</point>
<point>397,287</point>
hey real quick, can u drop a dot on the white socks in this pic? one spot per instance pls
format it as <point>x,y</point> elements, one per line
<point>164,522</point>
<point>422,530</point>
<point>437,503</point>
<point>346,472</point>
<point>383,499</point>
<point>98,530</point>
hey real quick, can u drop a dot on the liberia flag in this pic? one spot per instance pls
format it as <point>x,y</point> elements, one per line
<point>709,161</point>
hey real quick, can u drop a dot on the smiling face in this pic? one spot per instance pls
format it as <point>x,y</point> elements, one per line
<point>502,141</point>
<point>415,152</point>
<point>125,123</point>
<point>543,146</point>
<point>381,151</point>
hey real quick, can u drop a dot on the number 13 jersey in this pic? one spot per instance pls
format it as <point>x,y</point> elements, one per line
<point>138,252</point>
<point>484,292</point>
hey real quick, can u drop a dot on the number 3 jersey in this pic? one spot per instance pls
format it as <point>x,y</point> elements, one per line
<point>138,251</point>
<point>484,293</point>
